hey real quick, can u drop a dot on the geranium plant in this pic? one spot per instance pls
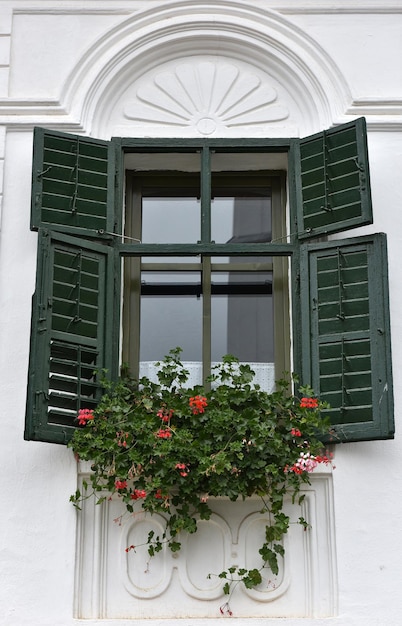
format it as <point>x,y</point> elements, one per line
<point>173,448</point>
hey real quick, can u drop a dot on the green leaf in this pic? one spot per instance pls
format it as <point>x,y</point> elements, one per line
<point>253,578</point>
<point>270,557</point>
<point>174,546</point>
<point>279,549</point>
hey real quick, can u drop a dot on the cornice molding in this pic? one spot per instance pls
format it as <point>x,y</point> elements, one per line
<point>287,7</point>
<point>381,115</point>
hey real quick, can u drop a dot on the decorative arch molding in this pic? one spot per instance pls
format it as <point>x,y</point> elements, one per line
<point>258,42</point>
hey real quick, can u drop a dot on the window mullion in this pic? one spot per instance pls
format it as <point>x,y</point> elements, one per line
<point>280,287</point>
<point>205,195</point>
<point>206,317</point>
<point>132,281</point>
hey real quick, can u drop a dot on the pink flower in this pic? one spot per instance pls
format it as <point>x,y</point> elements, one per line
<point>307,463</point>
<point>120,484</point>
<point>183,467</point>
<point>130,548</point>
<point>159,495</point>
<point>84,416</point>
<point>121,437</point>
<point>296,432</point>
<point>165,415</point>
<point>225,608</point>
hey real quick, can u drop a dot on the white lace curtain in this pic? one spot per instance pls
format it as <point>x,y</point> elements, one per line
<point>264,373</point>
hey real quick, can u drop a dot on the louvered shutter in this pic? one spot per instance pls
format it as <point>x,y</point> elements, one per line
<point>346,336</point>
<point>72,303</point>
<point>333,175</point>
<point>73,181</point>
<point>75,305</point>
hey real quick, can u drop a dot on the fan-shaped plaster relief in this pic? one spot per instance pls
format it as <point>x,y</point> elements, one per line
<point>204,97</point>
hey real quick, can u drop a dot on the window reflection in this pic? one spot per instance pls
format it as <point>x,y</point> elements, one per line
<point>170,220</point>
<point>241,219</point>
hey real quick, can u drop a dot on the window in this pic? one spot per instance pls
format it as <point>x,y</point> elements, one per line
<point>209,305</point>
<point>205,243</point>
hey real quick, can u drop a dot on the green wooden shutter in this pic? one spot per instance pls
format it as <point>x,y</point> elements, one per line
<point>71,333</point>
<point>334,180</point>
<point>73,181</point>
<point>346,335</point>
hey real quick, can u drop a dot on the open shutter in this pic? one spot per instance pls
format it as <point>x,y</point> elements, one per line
<point>334,192</point>
<point>346,337</point>
<point>73,182</point>
<point>71,335</point>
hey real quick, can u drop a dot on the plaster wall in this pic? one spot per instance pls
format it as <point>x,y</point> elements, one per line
<point>96,68</point>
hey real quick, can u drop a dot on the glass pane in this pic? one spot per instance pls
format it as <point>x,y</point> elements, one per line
<point>241,219</point>
<point>168,322</point>
<point>170,220</point>
<point>242,324</point>
<point>256,269</point>
<point>171,316</point>
<point>183,261</point>
<point>169,279</point>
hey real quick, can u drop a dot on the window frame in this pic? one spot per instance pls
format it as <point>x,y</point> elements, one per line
<point>73,176</point>
<point>133,264</point>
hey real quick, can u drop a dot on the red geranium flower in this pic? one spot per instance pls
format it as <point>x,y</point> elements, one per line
<point>198,404</point>
<point>164,433</point>
<point>138,494</point>
<point>308,403</point>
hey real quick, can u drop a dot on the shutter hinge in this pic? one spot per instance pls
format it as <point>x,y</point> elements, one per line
<point>40,174</point>
<point>37,394</point>
<point>315,302</point>
<point>359,167</point>
<point>42,319</point>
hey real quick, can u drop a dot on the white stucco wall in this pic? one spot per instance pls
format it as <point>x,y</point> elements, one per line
<point>80,66</point>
